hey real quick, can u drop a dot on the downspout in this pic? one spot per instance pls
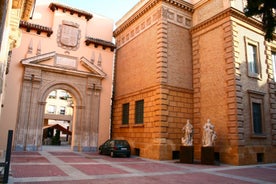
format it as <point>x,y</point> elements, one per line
<point>113,94</point>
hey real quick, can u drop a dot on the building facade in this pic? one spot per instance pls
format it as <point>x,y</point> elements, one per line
<point>194,60</point>
<point>11,12</point>
<point>62,48</point>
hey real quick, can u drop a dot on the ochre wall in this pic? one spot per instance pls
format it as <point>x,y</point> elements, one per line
<point>140,59</point>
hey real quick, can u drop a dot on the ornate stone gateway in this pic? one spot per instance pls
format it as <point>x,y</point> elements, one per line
<point>45,73</point>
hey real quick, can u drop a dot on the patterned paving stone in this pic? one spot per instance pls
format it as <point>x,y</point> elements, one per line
<point>24,153</point>
<point>33,159</point>
<point>73,159</point>
<point>152,167</point>
<point>64,153</point>
<point>98,169</point>
<point>259,173</point>
<point>67,167</point>
<point>198,178</point>
<point>121,159</point>
<point>21,171</point>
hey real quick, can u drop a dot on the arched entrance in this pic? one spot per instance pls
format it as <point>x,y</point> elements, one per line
<point>38,82</point>
<point>58,118</point>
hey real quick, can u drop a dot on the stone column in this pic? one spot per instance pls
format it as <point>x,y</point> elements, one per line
<point>78,123</point>
<point>90,127</point>
<point>27,126</point>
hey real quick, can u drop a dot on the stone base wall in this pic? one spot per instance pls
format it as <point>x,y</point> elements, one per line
<point>257,154</point>
<point>166,110</point>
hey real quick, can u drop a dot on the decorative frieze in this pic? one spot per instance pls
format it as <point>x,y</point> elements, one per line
<point>166,13</point>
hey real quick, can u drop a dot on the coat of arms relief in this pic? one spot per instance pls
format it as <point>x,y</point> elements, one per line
<point>68,36</point>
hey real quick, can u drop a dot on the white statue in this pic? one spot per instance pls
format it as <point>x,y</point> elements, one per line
<point>209,134</point>
<point>187,140</point>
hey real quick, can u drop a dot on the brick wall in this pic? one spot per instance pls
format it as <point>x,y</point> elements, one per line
<point>166,110</point>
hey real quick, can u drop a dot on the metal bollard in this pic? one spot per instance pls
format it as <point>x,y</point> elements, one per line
<point>8,157</point>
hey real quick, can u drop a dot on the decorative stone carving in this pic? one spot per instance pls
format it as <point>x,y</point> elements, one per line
<point>68,35</point>
<point>209,134</point>
<point>187,140</point>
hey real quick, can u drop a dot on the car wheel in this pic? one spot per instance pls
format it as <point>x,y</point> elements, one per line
<point>128,155</point>
<point>112,154</point>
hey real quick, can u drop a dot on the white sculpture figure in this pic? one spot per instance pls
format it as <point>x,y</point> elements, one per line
<point>209,134</point>
<point>187,140</point>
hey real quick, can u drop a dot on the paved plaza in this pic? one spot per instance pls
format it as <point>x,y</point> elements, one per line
<point>67,167</point>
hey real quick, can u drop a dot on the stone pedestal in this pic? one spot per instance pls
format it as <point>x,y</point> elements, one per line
<point>186,154</point>
<point>207,155</point>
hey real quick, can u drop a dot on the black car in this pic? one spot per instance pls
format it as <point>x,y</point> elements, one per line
<point>115,147</point>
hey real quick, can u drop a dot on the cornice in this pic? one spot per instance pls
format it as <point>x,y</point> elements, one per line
<point>35,60</point>
<point>97,42</point>
<point>230,12</point>
<point>148,6</point>
<point>38,28</point>
<point>92,67</point>
<point>28,8</point>
<point>39,58</point>
<point>72,11</point>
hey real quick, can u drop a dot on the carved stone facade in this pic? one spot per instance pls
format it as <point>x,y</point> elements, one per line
<point>52,56</point>
<point>194,61</point>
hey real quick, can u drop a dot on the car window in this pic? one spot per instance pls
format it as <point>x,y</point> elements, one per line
<point>121,143</point>
<point>107,143</point>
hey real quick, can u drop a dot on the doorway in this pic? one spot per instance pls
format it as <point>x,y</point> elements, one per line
<point>58,119</point>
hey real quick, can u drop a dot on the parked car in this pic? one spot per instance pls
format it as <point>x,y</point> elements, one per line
<point>114,147</point>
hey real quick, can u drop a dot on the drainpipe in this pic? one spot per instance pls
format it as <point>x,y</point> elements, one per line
<point>32,14</point>
<point>113,94</point>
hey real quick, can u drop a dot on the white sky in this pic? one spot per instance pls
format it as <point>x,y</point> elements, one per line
<point>113,9</point>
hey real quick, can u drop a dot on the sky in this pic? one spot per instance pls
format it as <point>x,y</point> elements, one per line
<point>114,9</point>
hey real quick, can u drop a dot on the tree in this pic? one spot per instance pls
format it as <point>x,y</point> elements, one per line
<point>265,9</point>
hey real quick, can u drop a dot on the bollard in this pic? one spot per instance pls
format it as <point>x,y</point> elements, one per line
<point>8,157</point>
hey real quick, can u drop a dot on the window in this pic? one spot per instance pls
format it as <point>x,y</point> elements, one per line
<point>273,58</point>
<point>253,61</point>
<point>125,118</point>
<point>62,110</point>
<point>63,95</point>
<point>139,112</point>
<point>257,118</point>
<point>51,109</point>
<point>53,94</point>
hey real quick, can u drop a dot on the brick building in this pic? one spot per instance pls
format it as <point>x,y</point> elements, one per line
<point>197,60</point>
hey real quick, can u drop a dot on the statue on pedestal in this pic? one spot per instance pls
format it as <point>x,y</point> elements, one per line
<point>209,134</point>
<point>187,140</point>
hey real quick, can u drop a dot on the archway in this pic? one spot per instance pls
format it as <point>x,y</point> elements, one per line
<point>38,82</point>
<point>58,118</point>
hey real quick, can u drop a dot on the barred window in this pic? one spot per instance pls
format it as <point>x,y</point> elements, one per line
<point>257,118</point>
<point>125,115</point>
<point>139,112</point>
<point>256,113</point>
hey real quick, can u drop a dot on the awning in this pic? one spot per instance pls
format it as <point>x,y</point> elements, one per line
<point>58,127</point>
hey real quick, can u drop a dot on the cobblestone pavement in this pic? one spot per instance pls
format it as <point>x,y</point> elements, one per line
<point>69,167</point>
